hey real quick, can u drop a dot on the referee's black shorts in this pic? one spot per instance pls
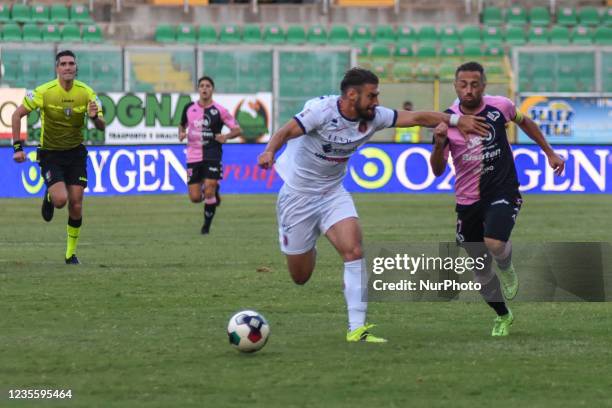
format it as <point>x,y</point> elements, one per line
<point>69,166</point>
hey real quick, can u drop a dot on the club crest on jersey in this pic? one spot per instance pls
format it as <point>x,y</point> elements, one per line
<point>68,112</point>
<point>493,115</point>
<point>213,111</point>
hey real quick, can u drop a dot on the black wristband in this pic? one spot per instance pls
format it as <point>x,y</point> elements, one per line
<point>18,146</point>
<point>93,117</point>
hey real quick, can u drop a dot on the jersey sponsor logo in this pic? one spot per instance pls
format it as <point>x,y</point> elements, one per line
<point>481,156</point>
<point>332,159</point>
<point>68,100</point>
<point>491,135</point>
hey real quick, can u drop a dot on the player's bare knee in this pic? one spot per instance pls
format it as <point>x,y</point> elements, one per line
<point>75,207</point>
<point>352,254</point>
<point>59,201</point>
<point>195,198</point>
<point>495,246</point>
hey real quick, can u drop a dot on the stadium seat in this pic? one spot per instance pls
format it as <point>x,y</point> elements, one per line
<point>317,35</point>
<point>538,36</point>
<point>566,16</point>
<point>447,71</point>
<point>71,33</point>
<point>361,34</point>
<point>339,35</point>
<point>11,32</point>
<point>427,35</point>
<point>207,35</point>
<point>380,50</point>
<point>230,33</point>
<point>5,13</point>
<point>559,35</point>
<point>492,36</point>
<point>58,13</point>
<point>92,33</point>
<point>40,13</point>
<point>426,51</point>
<point>603,35</point>
<point>274,34</point>
<point>471,35</point>
<point>385,34</point>
<point>582,35</point>
<point>472,50</point>
<point>515,36</point>
<point>20,13</point>
<point>588,16</point>
<point>165,33</point>
<point>296,34</point>
<point>402,72</point>
<point>403,49</point>
<point>494,51</point>
<point>251,33</point>
<point>426,72</point>
<point>516,16</point>
<point>51,33</point>
<point>492,16</point>
<point>406,33</point>
<point>539,17</point>
<point>362,50</point>
<point>449,36</point>
<point>79,13</point>
<point>186,34</point>
<point>31,32</point>
<point>449,51</point>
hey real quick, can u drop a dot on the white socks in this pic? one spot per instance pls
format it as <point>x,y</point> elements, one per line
<point>353,272</point>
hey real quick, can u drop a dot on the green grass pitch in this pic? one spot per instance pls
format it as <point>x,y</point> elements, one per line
<point>142,322</point>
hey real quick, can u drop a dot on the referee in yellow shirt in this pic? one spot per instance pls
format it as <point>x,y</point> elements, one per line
<point>64,104</point>
<point>407,135</point>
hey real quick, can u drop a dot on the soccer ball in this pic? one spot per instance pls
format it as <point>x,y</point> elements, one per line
<point>248,331</point>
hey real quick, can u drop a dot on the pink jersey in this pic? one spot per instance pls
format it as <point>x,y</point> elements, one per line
<point>202,124</point>
<point>484,167</point>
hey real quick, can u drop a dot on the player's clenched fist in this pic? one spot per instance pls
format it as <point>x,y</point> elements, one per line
<point>440,133</point>
<point>265,160</point>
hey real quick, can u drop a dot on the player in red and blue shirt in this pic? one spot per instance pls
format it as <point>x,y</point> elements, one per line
<point>486,184</point>
<point>201,123</point>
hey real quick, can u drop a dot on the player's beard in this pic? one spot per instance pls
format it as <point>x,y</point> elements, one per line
<point>365,113</point>
<point>471,104</point>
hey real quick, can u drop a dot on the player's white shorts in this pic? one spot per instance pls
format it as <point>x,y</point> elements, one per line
<point>303,217</point>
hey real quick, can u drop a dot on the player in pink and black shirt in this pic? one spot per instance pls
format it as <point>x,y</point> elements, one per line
<point>486,184</point>
<point>201,124</point>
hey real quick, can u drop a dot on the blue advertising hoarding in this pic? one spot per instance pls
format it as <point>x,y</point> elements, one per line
<point>377,168</point>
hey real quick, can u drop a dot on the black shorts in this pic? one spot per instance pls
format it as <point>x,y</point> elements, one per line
<point>207,169</point>
<point>492,218</point>
<point>69,166</point>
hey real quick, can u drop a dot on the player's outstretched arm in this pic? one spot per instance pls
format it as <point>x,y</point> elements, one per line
<point>290,130</point>
<point>556,162</point>
<point>19,154</point>
<point>467,124</point>
<point>438,158</point>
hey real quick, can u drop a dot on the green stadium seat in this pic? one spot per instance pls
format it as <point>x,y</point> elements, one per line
<point>5,13</point>
<point>516,16</point>
<point>607,18</point>
<point>274,34</point>
<point>472,50</point>
<point>11,32</point>
<point>71,33</point>
<point>165,33</point>
<point>426,51</point>
<point>559,35</point>
<point>31,33</point>
<point>588,16</point>
<point>471,35</point>
<point>494,51</point>
<point>40,13</point>
<point>230,33</point>
<point>385,34</point>
<point>362,50</point>
<point>426,72</point>
<point>515,36</point>
<point>403,49</point>
<point>447,71</point>
<point>380,50</point>
<point>92,33</point>
<point>449,36</point>
<point>582,35</point>
<point>406,33</point>
<point>492,36</point>
<point>59,13</point>
<point>207,34</point>
<point>603,35</point>
<point>296,35</point>
<point>362,34</point>
<point>79,13</point>
<point>427,35</point>
<point>539,17</point>
<point>566,16</point>
<point>20,13</point>
<point>186,34</point>
<point>51,33</point>
<point>538,36</point>
<point>251,33</point>
<point>317,35</point>
<point>339,35</point>
<point>492,16</point>
<point>449,51</point>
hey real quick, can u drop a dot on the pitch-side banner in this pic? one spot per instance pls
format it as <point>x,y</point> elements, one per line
<point>563,120</point>
<point>376,168</point>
